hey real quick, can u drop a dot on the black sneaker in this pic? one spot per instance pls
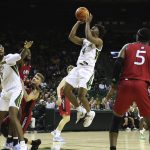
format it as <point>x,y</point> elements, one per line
<point>35,144</point>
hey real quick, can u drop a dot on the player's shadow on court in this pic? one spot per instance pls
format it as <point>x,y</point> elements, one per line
<point>56,146</point>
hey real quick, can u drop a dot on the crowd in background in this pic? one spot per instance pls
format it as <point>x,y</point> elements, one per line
<point>51,56</point>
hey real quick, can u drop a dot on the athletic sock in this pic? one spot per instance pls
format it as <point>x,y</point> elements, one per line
<point>15,141</point>
<point>9,139</point>
<point>22,143</point>
<point>88,113</point>
<point>57,133</point>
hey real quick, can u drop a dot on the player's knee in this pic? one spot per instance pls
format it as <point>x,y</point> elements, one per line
<point>67,118</point>
<point>115,124</point>
<point>81,96</point>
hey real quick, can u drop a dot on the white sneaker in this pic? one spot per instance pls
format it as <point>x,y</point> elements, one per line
<point>134,128</point>
<point>23,147</point>
<point>53,133</point>
<point>142,131</point>
<point>80,114</point>
<point>128,129</point>
<point>8,145</point>
<point>88,119</point>
<point>142,135</point>
<point>16,147</point>
<point>58,139</point>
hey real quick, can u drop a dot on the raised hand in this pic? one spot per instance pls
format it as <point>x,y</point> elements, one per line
<point>89,18</point>
<point>28,44</point>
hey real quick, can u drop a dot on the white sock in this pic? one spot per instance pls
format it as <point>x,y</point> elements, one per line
<point>79,108</point>
<point>9,136</point>
<point>57,133</point>
<point>88,113</point>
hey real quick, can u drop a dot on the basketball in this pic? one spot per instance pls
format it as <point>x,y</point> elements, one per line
<point>81,13</point>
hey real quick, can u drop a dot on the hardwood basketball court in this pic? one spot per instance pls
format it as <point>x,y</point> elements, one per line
<point>98,140</point>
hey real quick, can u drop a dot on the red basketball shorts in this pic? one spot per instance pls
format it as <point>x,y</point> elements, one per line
<point>130,91</point>
<point>64,108</point>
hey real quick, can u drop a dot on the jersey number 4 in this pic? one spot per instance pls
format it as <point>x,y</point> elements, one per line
<point>141,57</point>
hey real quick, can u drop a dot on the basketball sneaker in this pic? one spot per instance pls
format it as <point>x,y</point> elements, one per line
<point>16,147</point>
<point>35,144</point>
<point>142,131</point>
<point>58,139</point>
<point>23,146</point>
<point>8,146</point>
<point>80,114</point>
<point>88,119</point>
<point>53,133</point>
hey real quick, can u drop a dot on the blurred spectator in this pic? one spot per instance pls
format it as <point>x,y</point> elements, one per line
<point>50,104</point>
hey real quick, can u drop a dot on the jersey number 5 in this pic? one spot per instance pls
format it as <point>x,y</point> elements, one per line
<point>141,57</point>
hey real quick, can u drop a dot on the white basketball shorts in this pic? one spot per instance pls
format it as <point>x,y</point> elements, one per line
<point>11,98</point>
<point>81,76</point>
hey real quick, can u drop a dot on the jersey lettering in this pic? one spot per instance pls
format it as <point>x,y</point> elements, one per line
<point>141,57</point>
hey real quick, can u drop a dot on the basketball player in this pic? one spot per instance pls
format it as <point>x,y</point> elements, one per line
<point>24,64</point>
<point>82,75</point>
<point>132,70</point>
<point>64,109</point>
<point>30,96</point>
<point>12,92</point>
<point>23,72</point>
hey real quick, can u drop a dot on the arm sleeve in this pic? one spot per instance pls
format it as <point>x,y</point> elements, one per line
<point>117,69</point>
<point>11,59</point>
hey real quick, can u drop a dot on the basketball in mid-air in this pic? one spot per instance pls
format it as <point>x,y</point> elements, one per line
<point>81,13</point>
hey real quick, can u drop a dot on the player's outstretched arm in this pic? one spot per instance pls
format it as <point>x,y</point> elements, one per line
<point>24,52</point>
<point>119,64</point>
<point>111,92</point>
<point>73,37</point>
<point>97,41</point>
<point>11,59</point>
<point>34,94</point>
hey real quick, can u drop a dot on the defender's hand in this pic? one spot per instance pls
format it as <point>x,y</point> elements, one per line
<point>28,44</point>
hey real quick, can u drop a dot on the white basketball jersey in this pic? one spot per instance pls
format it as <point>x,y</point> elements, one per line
<point>9,75</point>
<point>88,54</point>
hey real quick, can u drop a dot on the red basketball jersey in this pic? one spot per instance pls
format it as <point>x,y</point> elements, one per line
<point>137,62</point>
<point>26,107</point>
<point>24,71</point>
